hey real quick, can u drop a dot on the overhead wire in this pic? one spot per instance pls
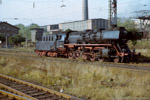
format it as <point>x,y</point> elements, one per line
<point>31,11</point>
<point>65,13</point>
<point>41,9</point>
<point>48,10</point>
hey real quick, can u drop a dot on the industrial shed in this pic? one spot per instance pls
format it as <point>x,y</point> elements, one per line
<point>85,25</point>
<point>7,29</point>
<point>36,34</point>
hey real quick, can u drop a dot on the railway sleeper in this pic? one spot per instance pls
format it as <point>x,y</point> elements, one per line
<point>18,86</point>
<point>24,89</point>
<point>44,96</point>
<point>31,92</point>
<point>38,93</point>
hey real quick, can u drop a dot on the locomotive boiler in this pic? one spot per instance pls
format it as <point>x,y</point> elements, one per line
<point>89,45</point>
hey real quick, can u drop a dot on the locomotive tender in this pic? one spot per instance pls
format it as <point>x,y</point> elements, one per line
<point>90,45</point>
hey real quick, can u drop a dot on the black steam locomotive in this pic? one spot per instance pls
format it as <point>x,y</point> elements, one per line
<point>90,45</point>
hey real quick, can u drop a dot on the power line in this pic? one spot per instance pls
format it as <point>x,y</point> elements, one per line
<point>65,13</point>
<point>57,6</point>
<point>30,12</point>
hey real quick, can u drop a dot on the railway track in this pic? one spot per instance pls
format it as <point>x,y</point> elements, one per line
<point>139,66</point>
<point>10,96</point>
<point>31,91</point>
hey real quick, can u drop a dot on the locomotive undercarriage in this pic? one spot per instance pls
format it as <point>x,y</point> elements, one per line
<point>92,52</point>
<point>97,52</point>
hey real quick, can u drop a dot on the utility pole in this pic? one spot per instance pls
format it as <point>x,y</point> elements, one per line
<point>26,41</point>
<point>6,41</point>
<point>109,15</point>
<point>112,14</point>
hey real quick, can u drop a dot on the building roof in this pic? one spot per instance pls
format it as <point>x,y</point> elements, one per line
<point>37,29</point>
<point>84,20</point>
<point>9,25</point>
<point>49,25</point>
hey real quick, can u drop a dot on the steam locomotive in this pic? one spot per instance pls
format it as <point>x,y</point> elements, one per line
<point>89,45</point>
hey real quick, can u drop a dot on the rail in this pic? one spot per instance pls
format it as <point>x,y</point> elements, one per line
<point>31,91</point>
<point>10,96</point>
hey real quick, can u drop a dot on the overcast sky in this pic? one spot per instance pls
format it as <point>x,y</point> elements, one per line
<point>48,12</point>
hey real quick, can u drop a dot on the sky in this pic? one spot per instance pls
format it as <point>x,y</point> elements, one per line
<point>46,12</point>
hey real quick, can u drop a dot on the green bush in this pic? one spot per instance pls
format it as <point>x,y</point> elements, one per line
<point>2,38</point>
<point>16,40</point>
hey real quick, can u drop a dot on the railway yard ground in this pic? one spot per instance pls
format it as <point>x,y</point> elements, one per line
<point>83,79</point>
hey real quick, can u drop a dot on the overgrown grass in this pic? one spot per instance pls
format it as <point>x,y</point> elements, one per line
<point>82,80</point>
<point>141,44</point>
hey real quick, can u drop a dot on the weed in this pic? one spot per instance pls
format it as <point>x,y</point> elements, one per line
<point>82,80</point>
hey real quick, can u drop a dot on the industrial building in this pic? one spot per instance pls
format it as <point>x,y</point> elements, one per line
<point>51,29</point>
<point>81,25</point>
<point>8,30</point>
<point>85,25</point>
<point>36,34</point>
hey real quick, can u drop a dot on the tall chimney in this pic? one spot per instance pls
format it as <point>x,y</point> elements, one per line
<point>85,15</point>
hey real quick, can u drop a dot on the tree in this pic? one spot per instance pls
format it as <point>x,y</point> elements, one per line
<point>25,30</point>
<point>33,26</point>
<point>16,40</point>
<point>128,23</point>
<point>131,27</point>
<point>2,38</point>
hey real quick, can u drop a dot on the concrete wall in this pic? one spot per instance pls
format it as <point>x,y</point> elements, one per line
<point>33,34</point>
<point>36,34</point>
<point>85,25</point>
<point>52,27</point>
<point>99,23</point>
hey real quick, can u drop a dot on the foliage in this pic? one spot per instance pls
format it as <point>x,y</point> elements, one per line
<point>89,81</point>
<point>16,40</point>
<point>68,30</point>
<point>134,42</point>
<point>2,38</point>
<point>130,25</point>
<point>25,30</point>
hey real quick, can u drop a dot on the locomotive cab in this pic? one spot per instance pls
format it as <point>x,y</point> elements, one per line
<point>60,40</point>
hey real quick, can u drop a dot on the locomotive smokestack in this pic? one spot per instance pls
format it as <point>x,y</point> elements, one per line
<point>85,15</point>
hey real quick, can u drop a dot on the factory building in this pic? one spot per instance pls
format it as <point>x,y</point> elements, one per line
<point>85,25</point>
<point>51,29</point>
<point>36,34</point>
<point>81,25</point>
<point>7,29</point>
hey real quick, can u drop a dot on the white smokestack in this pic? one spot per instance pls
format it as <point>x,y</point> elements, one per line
<point>85,15</point>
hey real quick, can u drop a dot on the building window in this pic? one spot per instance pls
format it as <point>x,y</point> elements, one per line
<point>49,38</point>
<point>46,38</point>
